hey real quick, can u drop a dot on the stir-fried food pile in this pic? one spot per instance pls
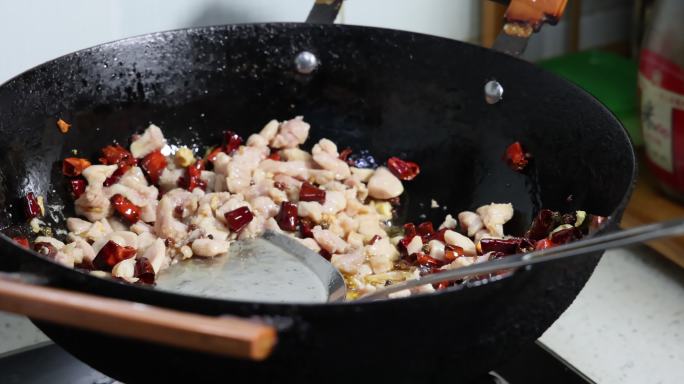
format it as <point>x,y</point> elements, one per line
<point>143,208</point>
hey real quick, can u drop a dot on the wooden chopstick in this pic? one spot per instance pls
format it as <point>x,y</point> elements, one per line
<point>228,336</point>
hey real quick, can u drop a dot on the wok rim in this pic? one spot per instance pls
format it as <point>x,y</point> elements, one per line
<point>154,294</point>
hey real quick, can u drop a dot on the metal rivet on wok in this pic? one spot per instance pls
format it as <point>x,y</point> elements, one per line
<point>306,62</point>
<point>493,92</point>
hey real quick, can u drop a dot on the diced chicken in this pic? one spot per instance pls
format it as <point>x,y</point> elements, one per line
<point>296,154</point>
<point>210,247</point>
<point>494,216</point>
<point>140,227</point>
<point>458,240</point>
<point>291,133</point>
<point>449,222</point>
<point>151,140</point>
<point>240,168</point>
<point>156,254</point>
<point>77,226</point>
<point>311,210</point>
<point>436,249</point>
<point>87,252</point>
<point>167,226</point>
<point>50,240</point>
<point>335,201</point>
<point>116,223</point>
<point>362,174</point>
<point>415,245</point>
<point>382,255</point>
<point>97,230</point>
<point>168,180</point>
<point>264,206</point>
<point>310,243</point>
<point>470,222</point>
<point>384,185</point>
<point>296,168</point>
<point>125,269</point>
<point>369,227</point>
<point>221,163</point>
<point>355,240</point>
<point>269,130</point>
<point>329,241</point>
<point>93,204</point>
<point>348,263</point>
<point>325,154</point>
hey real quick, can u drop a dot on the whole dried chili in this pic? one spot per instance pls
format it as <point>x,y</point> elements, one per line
<point>124,207</point>
<point>287,216</point>
<point>153,165</point>
<point>310,193</point>
<point>31,206</point>
<point>238,218</point>
<point>111,254</point>
<point>405,170</point>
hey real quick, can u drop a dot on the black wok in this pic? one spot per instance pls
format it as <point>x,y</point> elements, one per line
<point>392,92</point>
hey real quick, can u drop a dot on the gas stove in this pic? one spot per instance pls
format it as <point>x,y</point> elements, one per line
<point>534,364</point>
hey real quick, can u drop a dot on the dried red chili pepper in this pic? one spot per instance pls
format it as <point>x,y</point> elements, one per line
<point>409,234</point>
<point>280,185</point>
<point>439,235</point>
<point>426,231</point>
<point>441,285</point>
<point>516,158</point>
<point>111,254</point>
<point>144,271</point>
<point>274,156</point>
<point>566,235</point>
<point>238,218</point>
<point>326,255</point>
<point>114,178</point>
<point>129,211</point>
<point>287,217</point>
<point>192,178</point>
<point>451,252</point>
<point>211,157</point>
<point>423,259</point>
<point>77,186</point>
<point>31,206</point>
<point>233,142</point>
<point>305,226</point>
<point>310,193</point>
<point>505,246</point>
<point>405,170</point>
<point>116,154</point>
<point>21,241</point>
<point>374,239</point>
<point>542,224</point>
<point>543,244</point>
<point>45,249</point>
<point>153,165</point>
<point>74,166</point>
<point>344,155</point>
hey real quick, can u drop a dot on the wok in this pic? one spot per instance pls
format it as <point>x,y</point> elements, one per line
<point>391,92</point>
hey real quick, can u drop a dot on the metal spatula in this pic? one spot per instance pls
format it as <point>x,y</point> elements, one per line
<point>271,268</point>
<point>634,235</point>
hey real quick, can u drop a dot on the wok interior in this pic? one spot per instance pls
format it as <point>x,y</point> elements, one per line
<point>393,93</point>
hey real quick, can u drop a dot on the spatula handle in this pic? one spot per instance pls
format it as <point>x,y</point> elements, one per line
<point>229,336</point>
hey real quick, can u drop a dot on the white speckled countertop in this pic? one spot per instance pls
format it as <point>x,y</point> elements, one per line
<point>626,326</point>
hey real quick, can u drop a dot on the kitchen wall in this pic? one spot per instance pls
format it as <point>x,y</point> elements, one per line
<point>32,32</point>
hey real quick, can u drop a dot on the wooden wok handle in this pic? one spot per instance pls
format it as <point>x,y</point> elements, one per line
<point>229,336</point>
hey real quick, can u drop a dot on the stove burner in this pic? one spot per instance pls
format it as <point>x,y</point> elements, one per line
<point>59,367</point>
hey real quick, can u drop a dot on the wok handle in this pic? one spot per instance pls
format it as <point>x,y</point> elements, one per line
<point>228,336</point>
<point>324,11</point>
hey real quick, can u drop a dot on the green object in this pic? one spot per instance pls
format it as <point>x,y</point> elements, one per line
<point>611,78</point>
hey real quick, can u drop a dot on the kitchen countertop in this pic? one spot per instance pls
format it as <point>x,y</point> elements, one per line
<point>626,326</point>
